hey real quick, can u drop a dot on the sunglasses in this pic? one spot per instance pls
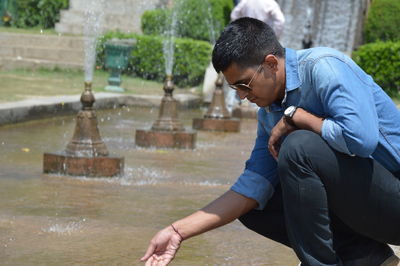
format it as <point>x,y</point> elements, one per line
<point>246,87</point>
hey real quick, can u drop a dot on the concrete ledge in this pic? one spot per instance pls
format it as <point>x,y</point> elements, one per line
<point>14,112</point>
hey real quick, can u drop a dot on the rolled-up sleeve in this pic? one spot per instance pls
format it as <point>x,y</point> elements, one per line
<point>352,122</point>
<point>260,177</point>
<point>332,133</point>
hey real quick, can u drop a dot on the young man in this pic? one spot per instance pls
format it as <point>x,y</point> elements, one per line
<point>324,175</point>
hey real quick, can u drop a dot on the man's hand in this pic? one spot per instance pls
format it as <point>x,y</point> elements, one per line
<point>282,128</point>
<point>162,248</point>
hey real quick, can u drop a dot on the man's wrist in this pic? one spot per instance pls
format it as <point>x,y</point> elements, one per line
<point>177,232</point>
<point>288,115</point>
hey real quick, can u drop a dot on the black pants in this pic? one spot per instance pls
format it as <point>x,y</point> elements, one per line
<point>329,207</point>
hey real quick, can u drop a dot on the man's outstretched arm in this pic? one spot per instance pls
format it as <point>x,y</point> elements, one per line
<point>223,210</point>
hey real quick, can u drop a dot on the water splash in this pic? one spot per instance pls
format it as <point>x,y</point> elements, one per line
<point>211,23</point>
<point>169,44</point>
<point>64,229</point>
<point>94,13</point>
<point>323,23</point>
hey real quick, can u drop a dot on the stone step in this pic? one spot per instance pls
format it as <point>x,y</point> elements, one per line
<point>49,54</point>
<point>42,41</point>
<point>122,15</point>
<point>69,28</point>
<point>7,63</point>
<point>118,6</point>
<point>122,20</point>
<point>72,21</point>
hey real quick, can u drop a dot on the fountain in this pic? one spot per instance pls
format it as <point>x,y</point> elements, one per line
<point>311,23</point>
<point>86,154</point>
<point>167,131</point>
<point>217,117</point>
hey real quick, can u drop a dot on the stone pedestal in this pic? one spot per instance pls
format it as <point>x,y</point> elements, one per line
<point>63,164</point>
<point>86,154</point>
<point>167,131</point>
<point>165,139</point>
<point>217,117</point>
<point>210,124</point>
<point>245,112</point>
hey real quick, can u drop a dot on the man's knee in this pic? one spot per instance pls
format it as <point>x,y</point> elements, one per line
<point>298,144</point>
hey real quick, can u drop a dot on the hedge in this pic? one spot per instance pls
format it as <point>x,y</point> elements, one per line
<point>43,13</point>
<point>382,61</point>
<point>383,21</point>
<point>191,58</point>
<point>194,18</point>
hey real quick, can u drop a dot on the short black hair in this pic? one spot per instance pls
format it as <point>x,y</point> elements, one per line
<point>245,41</point>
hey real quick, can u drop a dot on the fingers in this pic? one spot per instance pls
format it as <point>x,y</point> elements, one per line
<point>156,260</point>
<point>274,150</point>
<point>149,252</point>
<point>273,146</point>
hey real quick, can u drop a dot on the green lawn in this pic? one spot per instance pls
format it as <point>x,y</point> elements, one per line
<point>21,84</point>
<point>35,30</point>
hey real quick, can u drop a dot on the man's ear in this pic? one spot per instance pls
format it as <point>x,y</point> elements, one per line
<point>271,61</point>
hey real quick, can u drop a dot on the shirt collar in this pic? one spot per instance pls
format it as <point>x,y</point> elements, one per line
<point>292,70</point>
<point>292,78</point>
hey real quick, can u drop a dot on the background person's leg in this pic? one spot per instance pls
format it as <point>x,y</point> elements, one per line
<point>316,181</point>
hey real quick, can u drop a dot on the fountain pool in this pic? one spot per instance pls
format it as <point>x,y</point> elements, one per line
<point>58,220</point>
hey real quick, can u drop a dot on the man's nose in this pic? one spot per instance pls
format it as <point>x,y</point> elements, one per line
<point>242,94</point>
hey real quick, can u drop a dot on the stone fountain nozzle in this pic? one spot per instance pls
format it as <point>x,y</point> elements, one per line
<point>168,86</point>
<point>87,97</point>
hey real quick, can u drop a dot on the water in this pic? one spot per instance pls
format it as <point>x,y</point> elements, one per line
<point>92,28</point>
<point>211,23</point>
<point>57,220</point>
<point>169,44</point>
<point>335,24</point>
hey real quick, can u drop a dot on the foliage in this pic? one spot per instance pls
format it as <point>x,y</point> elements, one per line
<point>191,57</point>
<point>382,61</point>
<point>383,21</point>
<point>153,21</point>
<point>43,13</point>
<point>195,19</point>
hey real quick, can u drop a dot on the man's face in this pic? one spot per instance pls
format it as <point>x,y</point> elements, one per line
<point>263,84</point>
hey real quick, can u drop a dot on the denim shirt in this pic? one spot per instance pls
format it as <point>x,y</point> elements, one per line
<point>360,119</point>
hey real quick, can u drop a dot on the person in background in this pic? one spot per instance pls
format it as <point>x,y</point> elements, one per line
<point>324,174</point>
<point>267,11</point>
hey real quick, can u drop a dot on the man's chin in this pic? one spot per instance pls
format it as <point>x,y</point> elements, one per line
<point>261,104</point>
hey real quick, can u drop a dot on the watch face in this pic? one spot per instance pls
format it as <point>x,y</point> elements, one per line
<point>289,110</point>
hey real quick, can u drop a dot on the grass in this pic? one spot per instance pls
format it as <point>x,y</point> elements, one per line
<point>22,84</point>
<point>35,30</point>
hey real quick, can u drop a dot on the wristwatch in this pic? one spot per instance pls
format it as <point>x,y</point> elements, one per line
<point>288,113</point>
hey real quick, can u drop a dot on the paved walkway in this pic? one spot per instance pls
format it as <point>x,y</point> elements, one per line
<point>43,107</point>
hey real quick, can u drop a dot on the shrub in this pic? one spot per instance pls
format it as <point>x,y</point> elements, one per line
<point>383,21</point>
<point>43,13</point>
<point>194,18</point>
<point>191,58</point>
<point>382,61</point>
<point>153,21</point>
